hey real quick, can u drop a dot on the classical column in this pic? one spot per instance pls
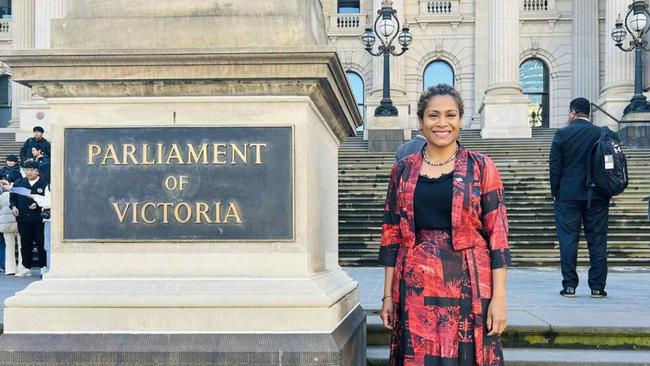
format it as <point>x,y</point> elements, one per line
<point>505,108</point>
<point>23,38</point>
<point>46,11</point>
<point>585,55</point>
<point>481,56</point>
<point>619,69</point>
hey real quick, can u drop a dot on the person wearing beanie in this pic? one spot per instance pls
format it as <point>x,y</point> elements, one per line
<point>38,139</point>
<point>11,171</point>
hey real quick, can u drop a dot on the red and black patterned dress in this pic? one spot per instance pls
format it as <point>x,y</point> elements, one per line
<point>443,273</point>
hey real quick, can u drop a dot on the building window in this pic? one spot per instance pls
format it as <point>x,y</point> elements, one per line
<point>438,72</point>
<point>5,100</point>
<point>347,6</point>
<point>5,9</point>
<point>534,80</point>
<point>358,91</point>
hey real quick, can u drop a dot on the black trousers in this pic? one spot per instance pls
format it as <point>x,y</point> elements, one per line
<point>31,234</point>
<point>569,217</point>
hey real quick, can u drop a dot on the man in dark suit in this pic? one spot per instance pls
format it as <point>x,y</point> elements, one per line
<point>568,159</point>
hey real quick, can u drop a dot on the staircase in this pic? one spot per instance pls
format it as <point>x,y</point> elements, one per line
<point>8,146</point>
<point>523,164</point>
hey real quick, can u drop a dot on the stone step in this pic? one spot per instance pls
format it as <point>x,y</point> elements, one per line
<point>378,356</point>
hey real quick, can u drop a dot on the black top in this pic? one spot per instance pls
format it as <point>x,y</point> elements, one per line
<point>432,202</point>
<point>26,214</point>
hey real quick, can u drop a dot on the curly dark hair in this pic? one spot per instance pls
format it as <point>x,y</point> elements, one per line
<point>440,89</point>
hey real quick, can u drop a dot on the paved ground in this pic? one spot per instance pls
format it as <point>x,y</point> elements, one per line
<point>533,298</point>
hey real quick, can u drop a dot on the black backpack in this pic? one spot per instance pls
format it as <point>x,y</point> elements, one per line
<point>607,167</point>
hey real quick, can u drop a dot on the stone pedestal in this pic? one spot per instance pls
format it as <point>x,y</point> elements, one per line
<point>259,285</point>
<point>504,116</point>
<point>385,134</point>
<point>635,131</point>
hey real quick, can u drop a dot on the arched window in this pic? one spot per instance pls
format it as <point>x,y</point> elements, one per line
<point>533,77</point>
<point>5,100</point>
<point>356,84</point>
<point>438,72</point>
<point>5,9</point>
<point>348,6</point>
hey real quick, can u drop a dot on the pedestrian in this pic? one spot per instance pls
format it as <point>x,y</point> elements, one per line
<point>38,139</point>
<point>568,168</point>
<point>11,170</point>
<point>410,147</point>
<point>43,201</point>
<point>9,230</point>
<point>445,246</point>
<point>28,216</point>
<point>43,162</point>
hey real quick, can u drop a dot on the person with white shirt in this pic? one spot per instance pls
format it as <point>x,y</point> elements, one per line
<point>28,216</point>
<point>9,230</point>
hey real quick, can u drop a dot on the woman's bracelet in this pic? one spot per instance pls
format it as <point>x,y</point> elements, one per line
<point>385,297</point>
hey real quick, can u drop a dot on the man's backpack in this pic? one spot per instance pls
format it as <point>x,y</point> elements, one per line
<point>607,167</point>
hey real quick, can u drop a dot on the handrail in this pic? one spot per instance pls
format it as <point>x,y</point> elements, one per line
<point>605,112</point>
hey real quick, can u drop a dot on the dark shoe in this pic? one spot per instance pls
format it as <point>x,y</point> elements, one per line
<point>597,294</point>
<point>568,292</point>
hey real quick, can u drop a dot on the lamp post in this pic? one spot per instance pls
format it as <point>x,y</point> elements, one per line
<point>636,24</point>
<point>385,29</point>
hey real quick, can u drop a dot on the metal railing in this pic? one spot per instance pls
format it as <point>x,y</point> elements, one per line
<point>604,112</point>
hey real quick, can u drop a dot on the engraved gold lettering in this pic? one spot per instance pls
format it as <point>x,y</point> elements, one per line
<point>128,152</point>
<point>165,206</point>
<point>121,214</point>
<point>145,155</point>
<point>202,213</point>
<point>258,152</point>
<point>218,153</point>
<point>192,154</point>
<point>217,212</point>
<point>188,213</point>
<point>93,152</point>
<point>232,212</point>
<point>175,153</point>
<point>243,155</point>
<point>143,213</point>
<point>160,149</point>
<point>135,213</point>
<point>110,154</point>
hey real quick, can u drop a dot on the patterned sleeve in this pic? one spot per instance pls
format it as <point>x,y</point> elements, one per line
<point>494,216</point>
<point>391,236</point>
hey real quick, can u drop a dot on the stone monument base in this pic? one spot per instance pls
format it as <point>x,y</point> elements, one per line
<point>504,114</point>
<point>344,346</point>
<point>385,134</point>
<point>635,131</point>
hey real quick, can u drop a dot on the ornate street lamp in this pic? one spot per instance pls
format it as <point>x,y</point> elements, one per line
<point>636,24</point>
<point>385,28</point>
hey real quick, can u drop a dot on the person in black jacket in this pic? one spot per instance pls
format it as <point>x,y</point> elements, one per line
<point>28,216</point>
<point>570,152</point>
<point>11,171</point>
<point>38,139</point>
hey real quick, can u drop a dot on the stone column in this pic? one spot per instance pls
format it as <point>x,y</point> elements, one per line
<point>36,111</point>
<point>23,38</point>
<point>505,108</point>
<point>585,56</point>
<point>481,56</point>
<point>619,70</point>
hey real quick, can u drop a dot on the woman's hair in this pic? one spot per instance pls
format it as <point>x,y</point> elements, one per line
<point>440,89</point>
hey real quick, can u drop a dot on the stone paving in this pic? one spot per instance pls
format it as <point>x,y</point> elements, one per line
<point>533,298</point>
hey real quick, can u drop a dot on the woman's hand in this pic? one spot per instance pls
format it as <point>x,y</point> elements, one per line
<point>386,313</point>
<point>497,317</point>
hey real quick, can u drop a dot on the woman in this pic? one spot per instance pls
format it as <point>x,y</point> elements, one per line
<point>9,229</point>
<point>445,247</point>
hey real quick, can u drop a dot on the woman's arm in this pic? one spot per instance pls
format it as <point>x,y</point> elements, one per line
<point>391,239</point>
<point>497,317</point>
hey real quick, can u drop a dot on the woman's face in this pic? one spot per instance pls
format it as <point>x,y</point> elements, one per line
<point>441,121</point>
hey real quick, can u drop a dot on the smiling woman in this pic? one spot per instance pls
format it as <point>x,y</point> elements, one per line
<point>445,246</point>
